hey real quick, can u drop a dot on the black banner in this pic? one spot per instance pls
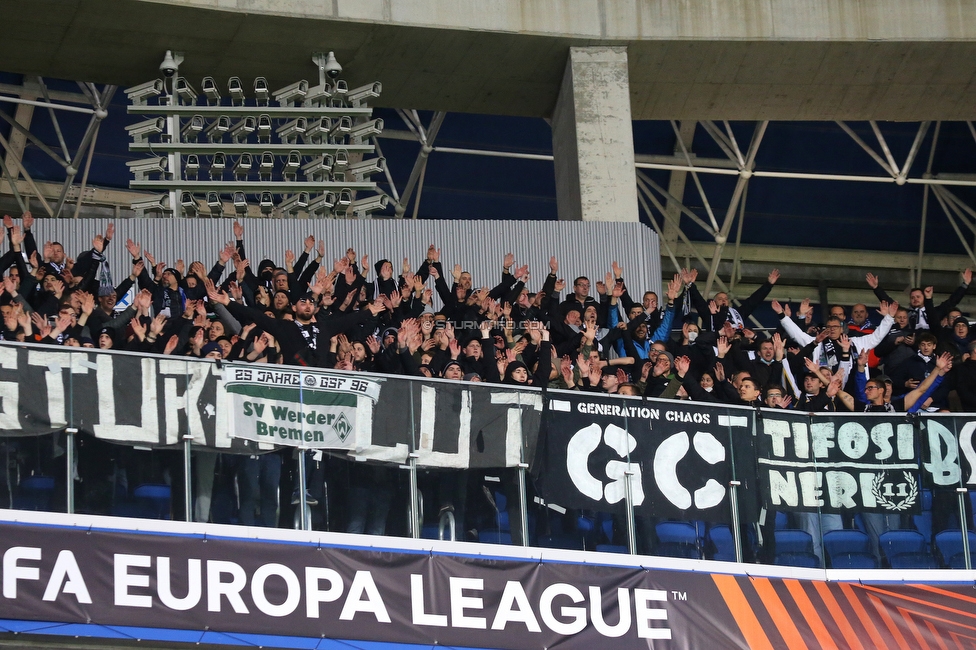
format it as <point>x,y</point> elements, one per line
<point>844,463</point>
<point>680,454</point>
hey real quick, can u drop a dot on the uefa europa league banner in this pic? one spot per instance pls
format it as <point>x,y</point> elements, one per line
<point>321,590</point>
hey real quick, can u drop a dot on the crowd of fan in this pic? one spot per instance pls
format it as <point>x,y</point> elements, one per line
<point>348,314</point>
<point>351,315</point>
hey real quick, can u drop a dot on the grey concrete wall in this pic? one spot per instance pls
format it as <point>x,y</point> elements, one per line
<point>844,20</point>
<point>593,139</point>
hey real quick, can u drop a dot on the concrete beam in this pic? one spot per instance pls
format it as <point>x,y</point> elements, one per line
<point>707,59</point>
<point>593,138</point>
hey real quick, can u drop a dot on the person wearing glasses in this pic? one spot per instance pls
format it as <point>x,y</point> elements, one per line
<point>828,352</point>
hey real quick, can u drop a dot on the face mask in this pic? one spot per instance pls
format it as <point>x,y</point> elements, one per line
<point>709,389</point>
<point>692,336</point>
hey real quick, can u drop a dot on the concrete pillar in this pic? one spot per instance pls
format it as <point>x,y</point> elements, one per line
<point>593,139</point>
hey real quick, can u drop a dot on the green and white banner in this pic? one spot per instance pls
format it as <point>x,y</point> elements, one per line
<point>300,408</point>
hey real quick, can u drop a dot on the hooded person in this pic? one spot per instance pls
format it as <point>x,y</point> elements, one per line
<point>384,284</point>
<point>517,373</point>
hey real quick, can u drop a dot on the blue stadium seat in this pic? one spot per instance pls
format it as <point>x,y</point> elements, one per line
<point>494,536</point>
<point>919,560</point>
<point>722,541</point>
<point>805,559</point>
<point>845,542</point>
<point>949,544</point>
<point>612,548</point>
<point>34,493</point>
<point>153,501</point>
<point>678,549</point>
<point>793,541</point>
<point>853,560</point>
<point>568,541</point>
<point>900,542</point>
<point>782,520</point>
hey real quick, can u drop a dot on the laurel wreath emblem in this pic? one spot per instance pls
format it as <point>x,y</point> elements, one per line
<point>888,504</point>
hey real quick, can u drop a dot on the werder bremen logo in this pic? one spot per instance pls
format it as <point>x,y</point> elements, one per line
<point>342,427</point>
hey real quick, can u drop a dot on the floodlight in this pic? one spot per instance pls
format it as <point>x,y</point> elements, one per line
<point>141,169</point>
<point>358,96</point>
<point>294,203</point>
<point>211,91</point>
<point>188,203</point>
<point>236,90</point>
<point>266,166</point>
<point>369,204</point>
<point>192,128</point>
<point>322,205</point>
<point>242,129</point>
<point>215,132</point>
<point>261,91</point>
<point>319,168</point>
<point>217,165</point>
<point>293,94</point>
<point>139,94</point>
<point>156,203</point>
<point>240,203</point>
<point>141,131</point>
<point>264,129</point>
<point>215,204</point>
<point>185,91</point>
<point>292,162</point>
<point>289,131</point>
<point>191,166</point>
<point>366,168</point>
<point>243,166</point>
<point>266,203</point>
<point>366,129</point>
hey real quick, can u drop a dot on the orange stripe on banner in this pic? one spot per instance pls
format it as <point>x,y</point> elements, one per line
<point>943,592</point>
<point>810,613</point>
<point>913,628</point>
<point>892,626</point>
<point>778,612</point>
<point>935,635</point>
<point>927,603</point>
<point>746,619</point>
<point>839,617</point>
<point>862,614</point>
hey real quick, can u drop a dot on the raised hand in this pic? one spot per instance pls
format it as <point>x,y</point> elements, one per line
<point>712,307</point>
<point>943,363</point>
<point>845,343</point>
<point>320,252</point>
<point>110,232</point>
<point>157,325</point>
<point>309,243</point>
<point>674,287</point>
<point>238,230</point>
<point>560,285</point>
<point>226,253</point>
<point>87,303</point>
<point>433,254</point>
<point>28,220</point>
<point>180,266</point>
<point>773,276</point>
<point>16,237</point>
<point>929,292</point>
<point>893,309</point>
<point>719,371</point>
<point>98,243</point>
<point>149,258</point>
<point>8,221</point>
<point>405,266</point>
<point>618,271</point>
<point>47,251</point>
<point>967,275</point>
<point>508,261</point>
<point>553,265</point>
<point>872,280</point>
<point>777,307</point>
<point>373,344</point>
<point>723,346</point>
